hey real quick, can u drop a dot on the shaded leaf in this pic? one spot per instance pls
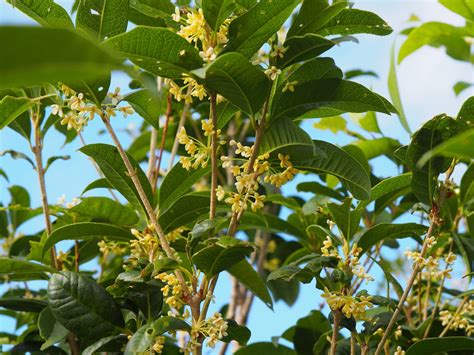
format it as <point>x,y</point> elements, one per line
<point>106,208</point>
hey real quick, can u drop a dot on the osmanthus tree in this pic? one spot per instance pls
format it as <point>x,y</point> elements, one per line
<point>224,85</point>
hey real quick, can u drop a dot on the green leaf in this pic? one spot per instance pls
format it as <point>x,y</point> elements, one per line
<point>347,220</point>
<point>101,183</point>
<point>147,104</point>
<point>433,133</point>
<point>247,33</point>
<point>334,124</point>
<point>460,146</point>
<point>383,231</point>
<point>45,12</point>
<point>301,48</point>
<point>354,21</point>
<point>313,15</point>
<point>9,266</point>
<point>265,348</point>
<point>342,95</point>
<point>376,147</point>
<point>112,166</point>
<point>342,165</point>
<point>32,57</point>
<point>155,9</point>
<point>86,230</point>
<point>436,345</point>
<point>460,86</point>
<point>282,134</point>
<point>104,21</point>
<point>23,304</point>
<point>354,73</point>
<point>438,33</point>
<point>145,336</point>
<point>243,84</point>
<point>247,276</point>
<point>466,113</point>
<point>395,92</point>
<point>50,330</point>
<point>467,186</point>
<point>217,11</point>
<point>177,183</point>
<point>104,342</point>
<point>465,8</point>
<point>106,208</point>
<point>318,189</point>
<point>12,107</point>
<point>219,257</point>
<point>20,198</point>
<point>157,50</point>
<point>238,333</point>
<point>83,306</point>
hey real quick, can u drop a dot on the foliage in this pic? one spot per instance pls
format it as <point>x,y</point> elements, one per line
<point>225,85</point>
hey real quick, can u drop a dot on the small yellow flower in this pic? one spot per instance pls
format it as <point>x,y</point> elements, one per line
<point>273,72</point>
<point>399,351</point>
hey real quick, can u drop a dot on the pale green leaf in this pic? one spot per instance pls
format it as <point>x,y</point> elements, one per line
<point>12,107</point>
<point>465,8</point>
<point>460,146</point>
<point>395,92</point>
<point>45,12</point>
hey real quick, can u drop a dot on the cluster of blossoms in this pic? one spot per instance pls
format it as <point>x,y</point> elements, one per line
<point>462,319</point>
<point>62,201</point>
<point>191,88</point>
<point>199,153</point>
<point>112,247</point>
<point>213,328</point>
<point>172,290</point>
<point>159,344</point>
<point>355,306</point>
<point>399,351</point>
<point>145,245</point>
<point>80,112</point>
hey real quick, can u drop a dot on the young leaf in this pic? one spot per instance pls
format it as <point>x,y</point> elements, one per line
<point>460,86</point>
<point>105,208</point>
<point>376,147</point>
<point>247,276</point>
<point>145,336</point>
<point>342,165</point>
<point>444,344</point>
<point>395,92</point>
<point>460,146</point>
<point>86,230</point>
<point>464,8</point>
<point>247,33</point>
<point>83,306</point>
<point>104,21</point>
<point>32,57</point>
<point>157,50</point>
<point>354,21</point>
<point>216,11</point>
<point>384,231</point>
<point>108,159</point>
<point>438,33</point>
<point>12,107</point>
<point>147,104</point>
<point>240,82</point>
<point>342,95</point>
<point>45,12</point>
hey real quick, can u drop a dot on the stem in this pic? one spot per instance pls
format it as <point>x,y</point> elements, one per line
<point>152,157</point>
<point>213,114</point>
<point>427,302</point>
<point>163,140</point>
<point>407,290</point>
<point>337,317</point>
<point>146,203</point>
<point>174,150</point>
<point>353,344</point>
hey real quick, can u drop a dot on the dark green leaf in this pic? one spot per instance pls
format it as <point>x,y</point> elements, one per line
<point>301,48</point>
<point>265,348</point>
<point>105,208</point>
<point>147,104</point>
<point>23,304</point>
<point>436,345</point>
<point>281,134</point>
<point>466,113</point>
<point>169,55</point>
<point>45,12</point>
<point>50,330</point>
<point>104,342</point>
<point>346,218</point>
<point>185,211</point>
<point>10,266</point>
<point>83,307</point>
<point>238,333</point>
<point>216,11</point>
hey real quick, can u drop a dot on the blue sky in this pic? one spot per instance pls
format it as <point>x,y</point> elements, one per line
<point>425,79</point>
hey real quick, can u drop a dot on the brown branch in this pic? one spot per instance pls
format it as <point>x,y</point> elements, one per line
<point>214,167</point>
<point>337,318</point>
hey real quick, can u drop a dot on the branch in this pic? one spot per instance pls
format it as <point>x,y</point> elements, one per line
<point>213,114</point>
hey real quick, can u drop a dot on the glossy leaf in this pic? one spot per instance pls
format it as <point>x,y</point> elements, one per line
<point>384,231</point>
<point>104,21</point>
<point>346,218</point>
<point>45,12</point>
<point>442,344</point>
<point>112,166</point>
<point>86,230</point>
<point>460,146</point>
<point>342,165</point>
<point>300,48</point>
<point>145,336</point>
<point>10,266</point>
<point>282,134</point>
<point>32,57</point>
<point>106,208</point>
<point>247,276</point>
<point>243,84</point>
<point>236,332</point>
<point>83,306</point>
<point>104,342</point>
<point>466,113</point>
<point>11,108</point>
<point>342,95</point>
<point>157,50</point>
<point>217,11</point>
<point>248,32</point>
<point>147,104</point>
<point>50,330</point>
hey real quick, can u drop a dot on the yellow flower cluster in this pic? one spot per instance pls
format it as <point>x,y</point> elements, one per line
<point>81,112</point>
<point>159,344</point>
<point>111,247</point>
<point>431,264</point>
<point>190,89</point>
<point>146,245</point>
<point>349,305</point>
<point>399,351</point>
<point>172,290</point>
<point>280,179</point>
<point>213,328</point>
<point>460,320</point>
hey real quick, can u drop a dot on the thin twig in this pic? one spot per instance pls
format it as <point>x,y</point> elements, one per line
<point>213,114</point>
<point>163,140</point>
<point>337,317</point>
<point>181,122</point>
<point>152,157</point>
